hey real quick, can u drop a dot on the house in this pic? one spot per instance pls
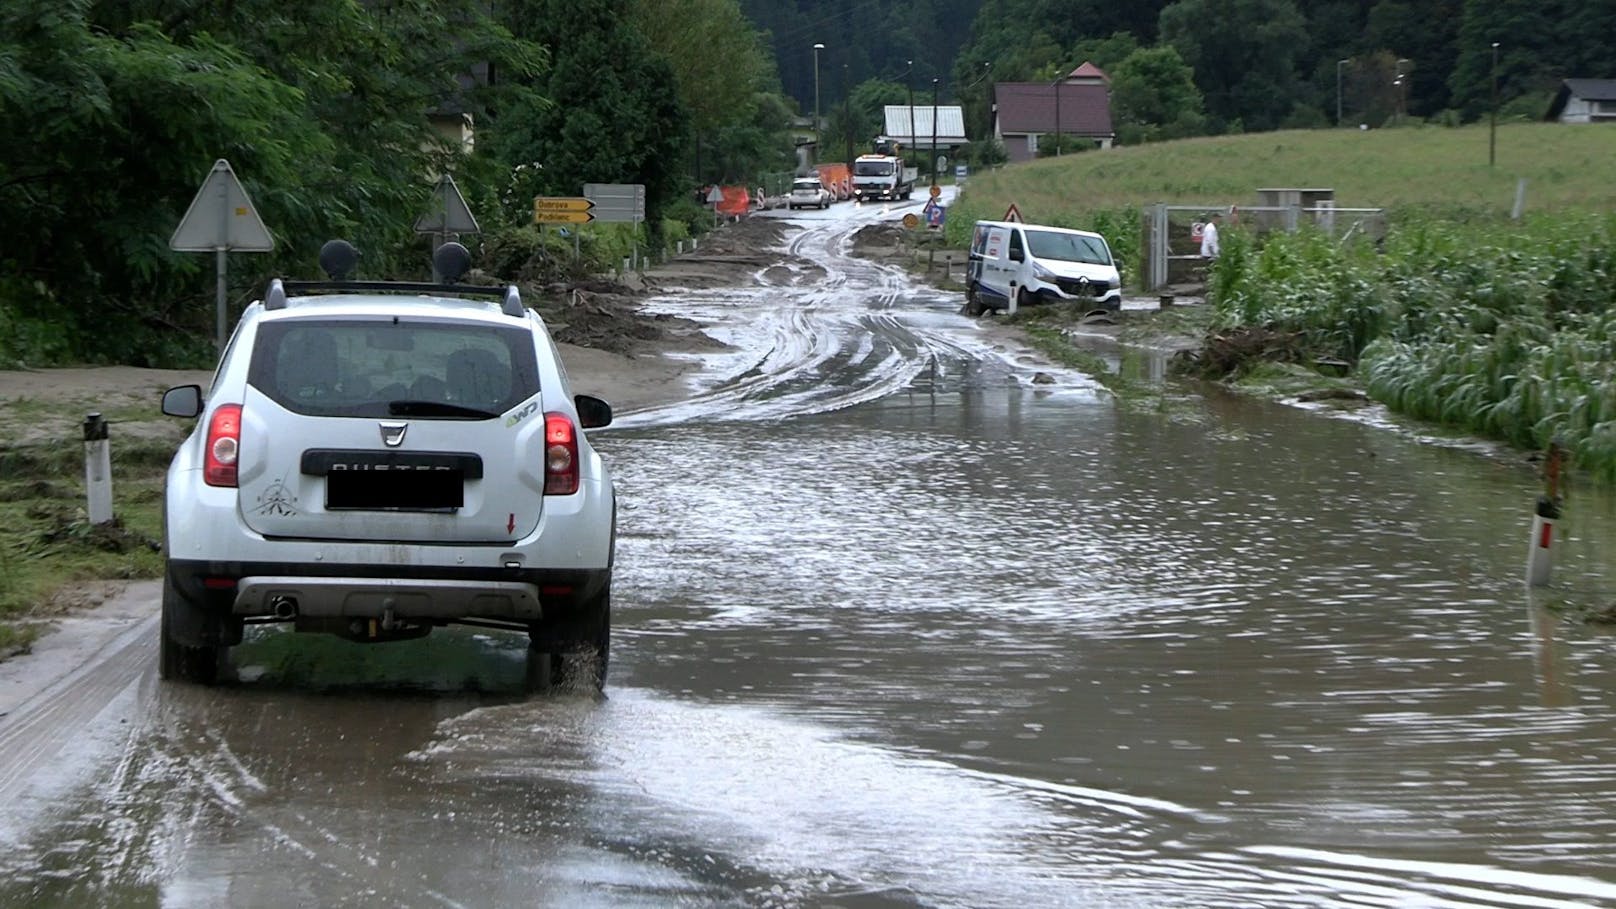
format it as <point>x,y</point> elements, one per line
<point>1077,105</point>
<point>1584,101</point>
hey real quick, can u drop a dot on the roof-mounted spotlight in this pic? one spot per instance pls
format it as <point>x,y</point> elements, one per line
<point>338,259</point>
<point>451,261</point>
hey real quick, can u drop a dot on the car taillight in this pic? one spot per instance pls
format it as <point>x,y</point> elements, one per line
<point>560,455</point>
<point>224,446</point>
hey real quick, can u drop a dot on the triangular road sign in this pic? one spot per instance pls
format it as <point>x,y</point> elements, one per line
<point>1012,214</point>
<point>221,217</point>
<point>449,213</point>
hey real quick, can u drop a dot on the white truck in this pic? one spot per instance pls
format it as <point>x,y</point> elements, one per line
<point>883,175</point>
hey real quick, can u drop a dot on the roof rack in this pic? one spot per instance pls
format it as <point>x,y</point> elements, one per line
<point>509,297</point>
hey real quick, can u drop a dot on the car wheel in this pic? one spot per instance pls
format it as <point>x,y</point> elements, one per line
<point>176,660</point>
<point>576,653</point>
<point>973,303</point>
<point>1023,299</point>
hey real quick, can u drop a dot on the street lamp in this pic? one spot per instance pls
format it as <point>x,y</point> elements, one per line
<point>817,49</point>
<point>1338,65</point>
<point>1401,83</point>
<point>933,132</point>
<point>1492,132</point>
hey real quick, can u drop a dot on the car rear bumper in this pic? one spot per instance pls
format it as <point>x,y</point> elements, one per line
<point>271,590</point>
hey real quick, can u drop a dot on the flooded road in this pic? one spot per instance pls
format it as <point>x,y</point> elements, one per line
<point>895,627</point>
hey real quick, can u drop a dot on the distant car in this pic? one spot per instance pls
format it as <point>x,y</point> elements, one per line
<point>1031,263</point>
<point>375,460</point>
<point>809,192</point>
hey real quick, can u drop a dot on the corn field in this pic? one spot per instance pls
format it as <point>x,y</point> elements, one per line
<point>1506,330</point>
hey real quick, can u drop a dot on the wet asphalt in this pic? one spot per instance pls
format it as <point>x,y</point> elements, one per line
<point>895,626</point>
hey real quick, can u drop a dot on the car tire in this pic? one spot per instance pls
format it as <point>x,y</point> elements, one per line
<point>1023,300</point>
<point>575,654</point>
<point>973,302</point>
<point>179,661</point>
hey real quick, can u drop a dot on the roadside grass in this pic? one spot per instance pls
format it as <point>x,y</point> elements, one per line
<point>1428,169</point>
<point>49,551</point>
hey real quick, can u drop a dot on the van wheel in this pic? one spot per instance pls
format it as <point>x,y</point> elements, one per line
<point>1023,300</point>
<point>973,303</point>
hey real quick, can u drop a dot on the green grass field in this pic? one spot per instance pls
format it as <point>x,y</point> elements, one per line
<point>1432,168</point>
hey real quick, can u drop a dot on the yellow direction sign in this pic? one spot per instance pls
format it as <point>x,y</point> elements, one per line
<point>562,210</point>
<point>936,190</point>
<point>563,217</point>
<point>911,221</point>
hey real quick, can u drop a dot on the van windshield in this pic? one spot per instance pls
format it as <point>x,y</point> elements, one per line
<point>1049,244</point>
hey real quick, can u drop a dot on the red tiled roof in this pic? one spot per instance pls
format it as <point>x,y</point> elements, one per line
<point>1089,71</point>
<point>1029,107</point>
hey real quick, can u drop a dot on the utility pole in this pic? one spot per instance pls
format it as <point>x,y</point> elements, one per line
<point>1057,112</point>
<point>847,120</point>
<point>1338,65</point>
<point>909,83</point>
<point>1492,132</point>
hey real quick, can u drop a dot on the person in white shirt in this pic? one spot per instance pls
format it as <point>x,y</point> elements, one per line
<point>1209,236</point>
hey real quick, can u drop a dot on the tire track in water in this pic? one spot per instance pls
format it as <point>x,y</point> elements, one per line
<point>840,342</point>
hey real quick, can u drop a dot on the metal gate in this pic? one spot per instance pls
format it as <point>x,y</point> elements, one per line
<point>1172,247</point>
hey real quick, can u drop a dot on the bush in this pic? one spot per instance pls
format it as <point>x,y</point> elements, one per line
<point>1501,329</point>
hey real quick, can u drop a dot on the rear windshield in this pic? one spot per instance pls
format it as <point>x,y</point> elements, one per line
<point>872,168</point>
<point>806,185</point>
<point>394,367</point>
<point>1049,244</point>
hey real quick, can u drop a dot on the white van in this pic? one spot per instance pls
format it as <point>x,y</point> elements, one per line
<point>1037,264</point>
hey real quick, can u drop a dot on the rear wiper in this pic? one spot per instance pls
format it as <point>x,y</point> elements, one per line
<point>435,409</point>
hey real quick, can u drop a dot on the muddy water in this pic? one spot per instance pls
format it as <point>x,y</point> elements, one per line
<point>895,628</point>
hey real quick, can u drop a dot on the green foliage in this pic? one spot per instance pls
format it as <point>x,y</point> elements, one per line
<point>321,109</point>
<point>1153,97</point>
<point>1053,146</point>
<point>1244,55</point>
<point>621,120</point>
<point>1503,330</point>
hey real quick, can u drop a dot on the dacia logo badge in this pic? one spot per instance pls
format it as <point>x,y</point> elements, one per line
<point>393,434</point>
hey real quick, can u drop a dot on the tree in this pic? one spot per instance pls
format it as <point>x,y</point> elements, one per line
<point>1243,53</point>
<point>1526,37</point>
<point>1107,53</point>
<point>727,84</point>
<point>1153,96</point>
<point>619,120</point>
<point>321,109</point>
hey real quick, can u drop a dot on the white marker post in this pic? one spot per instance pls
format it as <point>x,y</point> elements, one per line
<point>97,469</point>
<point>1539,552</point>
<point>221,219</point>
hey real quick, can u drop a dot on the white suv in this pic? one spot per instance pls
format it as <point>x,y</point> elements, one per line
<point>809,191</point>
<point>377,459</point>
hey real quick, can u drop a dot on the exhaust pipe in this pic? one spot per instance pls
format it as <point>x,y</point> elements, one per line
<point>284,607</point>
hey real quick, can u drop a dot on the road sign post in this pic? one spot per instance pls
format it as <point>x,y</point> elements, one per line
<point>619,203</point>
<point>221,219</point>
<point>449,215</point>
